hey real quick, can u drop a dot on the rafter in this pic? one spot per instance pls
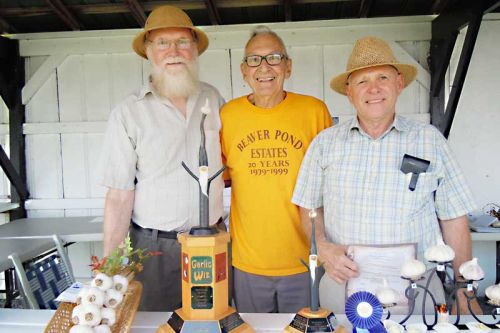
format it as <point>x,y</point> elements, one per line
<point>438,6</point>
<point>6,26</point>
<point>364,8</point>
<point>137,11</point>
<point>116,8</point>
<point>64,14</point>
<point>287,4</point>
<point>213,12</point>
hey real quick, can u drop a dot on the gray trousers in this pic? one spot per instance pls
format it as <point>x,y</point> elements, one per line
<point>161,277</point>
<point>270,294</point>
<point>332,296</point>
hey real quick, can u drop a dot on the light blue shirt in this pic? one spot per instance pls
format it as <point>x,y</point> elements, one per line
<point>365,196</point>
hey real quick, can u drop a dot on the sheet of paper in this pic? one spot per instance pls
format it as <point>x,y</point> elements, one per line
<point>378,262</point>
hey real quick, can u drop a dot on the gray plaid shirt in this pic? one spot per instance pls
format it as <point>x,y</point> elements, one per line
<point>365,196</point>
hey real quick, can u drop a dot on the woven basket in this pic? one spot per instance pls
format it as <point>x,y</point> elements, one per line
<point>125,313</point>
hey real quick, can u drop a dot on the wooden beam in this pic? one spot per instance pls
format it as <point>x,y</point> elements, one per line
<point>12,74</point>
<point>117,8</point>
<point>137,11</point>
<point>287,6</point>
<point>438,6</point>
<point>6,26</point>
<point>476,13</point>
<point>445,29</point>
<point>64,14</point>
<point>364,8</point>
<point>213,12</point>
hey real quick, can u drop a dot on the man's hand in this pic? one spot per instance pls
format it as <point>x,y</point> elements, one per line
<point>337,264</point>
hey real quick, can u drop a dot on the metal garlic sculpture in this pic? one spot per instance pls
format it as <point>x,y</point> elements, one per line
<point>203,179</point>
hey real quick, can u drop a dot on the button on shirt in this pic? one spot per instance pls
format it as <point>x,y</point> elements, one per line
<point>146,140</point>
<point>365,196</point>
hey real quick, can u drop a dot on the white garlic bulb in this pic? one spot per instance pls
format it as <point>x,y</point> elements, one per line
<point>416,328</point>
<point>393,327</point>
<point>91,315</point>
<point>493,292</point>
<point>81,329</point>
<point>82,294</point>
<point>412,269</point>
<point>102,281</point>
<point>102,329</point>
<point>205,109</point>
<point>445,328</point>
<point>120,283</point>
<point>386,295</point>
<point>471,270</point>
<point>113,298</point>
<point>439,252</point>
<point>78,315</point>
<point>93,295</point>
<point>108,316</point>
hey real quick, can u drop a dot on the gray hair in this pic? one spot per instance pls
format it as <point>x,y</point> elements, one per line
<point>265,30</point>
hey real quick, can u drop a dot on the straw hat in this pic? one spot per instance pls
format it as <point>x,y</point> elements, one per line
<point>371,52</point>
<point>168,17</point>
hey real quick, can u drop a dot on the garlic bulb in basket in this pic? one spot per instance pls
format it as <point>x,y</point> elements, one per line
<point>439,252</point>
<point>471,270</point>
<point>93,295</point>
<point>78,315</point>
<point>493,292</point>
<point>102,329</point>
<point>120,283</point>
<point>102,281</point>
<point>412,269</point>
<point>113,298</point>
<point>91,315</point>
<point>386,295</point>
<point>108,316</point>
<point>81,329</point>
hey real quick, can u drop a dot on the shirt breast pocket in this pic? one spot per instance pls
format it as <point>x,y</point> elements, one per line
<point>415,202</point>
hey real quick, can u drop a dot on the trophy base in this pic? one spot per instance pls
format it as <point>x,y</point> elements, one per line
<point>321,320</point>
<point>228,322</point>
<point>203,231</point>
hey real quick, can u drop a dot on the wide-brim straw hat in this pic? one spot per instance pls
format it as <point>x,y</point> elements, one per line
<point>370,52</point>
<point>168,17</point>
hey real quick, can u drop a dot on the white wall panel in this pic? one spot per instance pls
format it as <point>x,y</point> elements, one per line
<point>475,134</point>
<point>94,145</point>
<point>215,69</point>
<point>74,149</point>
<point>43,166</point>
<point>95,87</point>
<point>70,76</point>
<point>125,78</point>
<point>335,59</point>
<point>43,106</point>
<point>240,87</point>
<point>307,71</point>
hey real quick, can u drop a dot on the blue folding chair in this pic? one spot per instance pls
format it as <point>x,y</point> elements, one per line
<point>41,281</point>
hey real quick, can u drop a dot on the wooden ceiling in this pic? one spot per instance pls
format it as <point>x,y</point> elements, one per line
<point>25,16</point>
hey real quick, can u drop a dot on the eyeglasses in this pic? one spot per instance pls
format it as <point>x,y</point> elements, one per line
<point>272,59</point>
<point>165,44</point>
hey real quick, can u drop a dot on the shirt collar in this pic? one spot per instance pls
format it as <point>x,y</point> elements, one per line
<point>399,123</point>
<point>146,89</point>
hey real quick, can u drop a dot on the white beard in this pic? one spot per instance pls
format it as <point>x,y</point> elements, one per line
<point>179,83</point>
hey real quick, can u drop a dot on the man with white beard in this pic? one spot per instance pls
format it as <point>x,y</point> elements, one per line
<point>148,135</point>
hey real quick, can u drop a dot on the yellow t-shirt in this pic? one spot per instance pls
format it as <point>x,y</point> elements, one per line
<point>262,150</point>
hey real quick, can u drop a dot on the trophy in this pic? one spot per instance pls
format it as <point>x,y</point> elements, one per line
<point>205,296</point>
<point>314,318</point>
<point>442,256</point>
